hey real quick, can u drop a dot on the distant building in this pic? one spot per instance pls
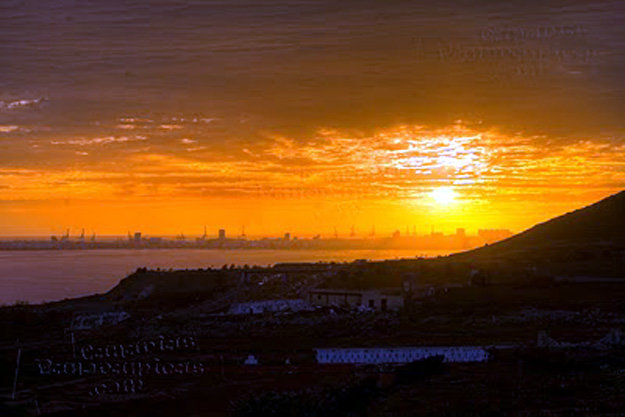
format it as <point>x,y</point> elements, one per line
<point>222,234</point>
<point>382,300</point>
<point>287,236</point>
<point>137,237</point>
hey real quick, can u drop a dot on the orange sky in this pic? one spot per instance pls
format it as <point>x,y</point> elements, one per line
<point>457,176</point>
<point>303,116</point>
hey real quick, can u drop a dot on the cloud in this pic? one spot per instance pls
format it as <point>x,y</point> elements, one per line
<point>399,164</point>
<point>22,103</point>
<point>99,140</point>
<point>8,128</point>
<point>170,127</point>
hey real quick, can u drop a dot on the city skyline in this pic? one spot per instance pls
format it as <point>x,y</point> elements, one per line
<point>241,233</point>
<point>435,240</point>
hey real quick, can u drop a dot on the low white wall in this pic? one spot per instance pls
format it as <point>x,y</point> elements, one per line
<point>400,355</point>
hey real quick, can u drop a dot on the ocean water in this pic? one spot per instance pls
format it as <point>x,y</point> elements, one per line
<point>38,276</point>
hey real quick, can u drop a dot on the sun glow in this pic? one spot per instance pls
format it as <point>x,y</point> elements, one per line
<point>451,176</point>
<point>443,196</point>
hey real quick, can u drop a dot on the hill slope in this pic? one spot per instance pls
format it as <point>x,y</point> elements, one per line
<point>601,224</point>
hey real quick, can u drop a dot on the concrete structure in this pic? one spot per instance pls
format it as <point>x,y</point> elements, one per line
<point>400,355</point>
<point>222,234</point>
<point>375,299</point>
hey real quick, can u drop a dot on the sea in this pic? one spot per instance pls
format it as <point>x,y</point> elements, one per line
<point>51,275</point>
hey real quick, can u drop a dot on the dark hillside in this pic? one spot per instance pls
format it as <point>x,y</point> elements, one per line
<point>600,225</point>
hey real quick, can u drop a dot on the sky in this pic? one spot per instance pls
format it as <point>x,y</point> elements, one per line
<point>305,116</point>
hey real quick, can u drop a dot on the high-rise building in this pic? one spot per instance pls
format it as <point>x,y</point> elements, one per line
<point>222,234</point>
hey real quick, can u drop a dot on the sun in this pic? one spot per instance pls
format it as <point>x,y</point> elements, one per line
<point>443,196</point>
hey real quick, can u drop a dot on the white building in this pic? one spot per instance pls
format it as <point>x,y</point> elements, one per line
<point>400,355</point>
<point>269,306</point>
